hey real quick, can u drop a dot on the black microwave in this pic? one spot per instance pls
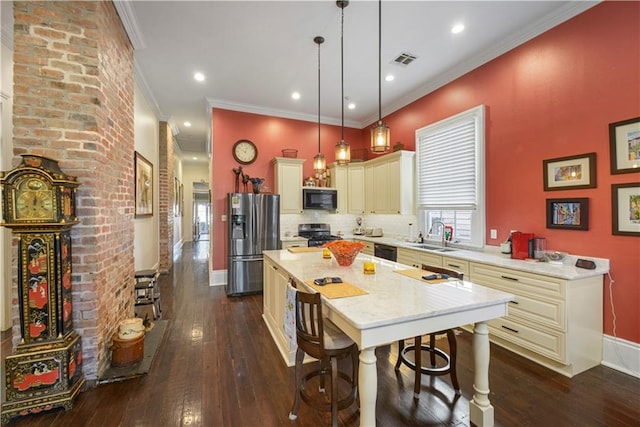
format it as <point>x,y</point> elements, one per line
<point>320,198</point>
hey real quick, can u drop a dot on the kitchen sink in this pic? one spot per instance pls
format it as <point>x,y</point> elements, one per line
<point>431,247</point>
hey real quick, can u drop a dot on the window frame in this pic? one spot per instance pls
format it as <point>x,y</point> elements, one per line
<point>478,217</point>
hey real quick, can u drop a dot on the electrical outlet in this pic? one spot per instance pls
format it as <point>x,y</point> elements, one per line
<point>224,218</point>
<point>494,233</point>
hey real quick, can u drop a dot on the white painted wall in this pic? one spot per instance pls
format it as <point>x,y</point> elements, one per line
<point>6,155</point>
<point>191,172</point>
<point>146,229</point>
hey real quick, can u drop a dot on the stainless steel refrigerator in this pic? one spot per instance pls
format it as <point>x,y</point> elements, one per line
<point>254,226</point>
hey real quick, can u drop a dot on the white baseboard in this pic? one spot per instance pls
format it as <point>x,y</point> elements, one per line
<point>621,355</point>
<point>218,278</point>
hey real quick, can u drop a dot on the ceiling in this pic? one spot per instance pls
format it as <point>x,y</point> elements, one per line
<point>254,54</point>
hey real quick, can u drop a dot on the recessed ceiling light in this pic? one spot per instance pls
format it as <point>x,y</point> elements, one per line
<point>457,28</point>
<point>351,106</point>
<point>194,158</point>
<point>389,77</point>
<point>295,95</point>
<point>187,124</point>
<point>198,77</point>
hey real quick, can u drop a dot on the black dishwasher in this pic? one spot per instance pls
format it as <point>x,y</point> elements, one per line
<point>386,252</point>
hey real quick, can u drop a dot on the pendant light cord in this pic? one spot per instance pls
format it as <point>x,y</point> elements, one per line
<point>319,41</point>
<point>342,71</point>
<point>379,60</point>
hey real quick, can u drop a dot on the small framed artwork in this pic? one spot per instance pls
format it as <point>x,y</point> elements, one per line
<point>624,140</point>
<point>568,214</point>
<point>573,172</point>
<point>625,203</point>
<point>143,176</point>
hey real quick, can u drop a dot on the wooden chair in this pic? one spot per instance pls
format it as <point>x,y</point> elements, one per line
<point>321,339</point>
<point>417,347</point>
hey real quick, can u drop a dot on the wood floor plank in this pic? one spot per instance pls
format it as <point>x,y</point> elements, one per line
<point>217,365</point>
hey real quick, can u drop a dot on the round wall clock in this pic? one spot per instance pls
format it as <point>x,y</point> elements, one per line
<point>245,151</point>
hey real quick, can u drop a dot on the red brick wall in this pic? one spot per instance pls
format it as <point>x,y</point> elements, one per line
<point>165,202</point>
<point>73,102</point>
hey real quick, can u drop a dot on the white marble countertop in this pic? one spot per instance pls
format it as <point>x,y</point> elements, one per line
<point>492,256</point>
<point>392,298</point>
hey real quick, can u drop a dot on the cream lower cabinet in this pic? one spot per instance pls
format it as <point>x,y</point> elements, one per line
<point>368,249</point>
<point>417,258</point>
<point>554,322</point>
<point>274,299</point>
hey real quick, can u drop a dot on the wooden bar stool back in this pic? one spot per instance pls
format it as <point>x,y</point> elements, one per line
<point>321,339</point>
<point>449,366</point>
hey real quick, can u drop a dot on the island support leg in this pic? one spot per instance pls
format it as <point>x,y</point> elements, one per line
<point>368,384</point>
<point>480,409</point>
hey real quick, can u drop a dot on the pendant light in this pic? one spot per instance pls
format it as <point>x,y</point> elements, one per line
<point>380,133</point>
<point>343,151</point>
<point>319,161</point>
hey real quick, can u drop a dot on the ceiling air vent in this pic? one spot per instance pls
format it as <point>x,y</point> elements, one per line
<point>405,59</point>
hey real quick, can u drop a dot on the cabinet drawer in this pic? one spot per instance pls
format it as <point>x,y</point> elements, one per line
<point>544,341</point>
<point>547,312</point>
<point>518,282</point>
<point>456,264</point>
<point>368,249</point>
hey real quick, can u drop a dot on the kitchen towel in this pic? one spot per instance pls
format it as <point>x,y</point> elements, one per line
<point>338,290</point>
<point>416,273</point>
<point>290,316</point>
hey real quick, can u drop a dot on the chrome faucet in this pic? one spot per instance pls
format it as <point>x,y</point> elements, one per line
<point>444,242</point>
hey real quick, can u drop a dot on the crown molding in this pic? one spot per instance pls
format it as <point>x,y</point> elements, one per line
<point>130,23</point>
<point>254,109</point>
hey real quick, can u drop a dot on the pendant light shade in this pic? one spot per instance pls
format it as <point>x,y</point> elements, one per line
<point>343,151</point>
<point>380,133</point>
<point>319,161</point>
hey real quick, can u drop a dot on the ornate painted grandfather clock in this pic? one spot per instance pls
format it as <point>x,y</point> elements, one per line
<point>39,206</point>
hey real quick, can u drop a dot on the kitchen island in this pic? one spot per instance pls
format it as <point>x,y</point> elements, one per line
<point>394,307</point>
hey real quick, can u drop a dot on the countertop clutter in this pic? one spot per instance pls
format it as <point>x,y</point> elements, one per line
<point>492,256</point>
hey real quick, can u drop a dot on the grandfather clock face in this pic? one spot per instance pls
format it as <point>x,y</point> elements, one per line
<point>34,200</point>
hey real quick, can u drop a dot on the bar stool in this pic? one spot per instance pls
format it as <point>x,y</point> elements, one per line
<point>147,291</point>
<point>321,339</point>
<point>449,366</point>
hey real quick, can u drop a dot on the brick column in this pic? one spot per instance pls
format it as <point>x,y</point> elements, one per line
<point>73,102</point>
<point>165,202</point>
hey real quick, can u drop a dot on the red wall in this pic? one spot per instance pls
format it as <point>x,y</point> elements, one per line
<point>551,97</point>
<point>271,135</point>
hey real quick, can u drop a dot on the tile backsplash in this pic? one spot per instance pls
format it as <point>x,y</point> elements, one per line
<point>392,225</point>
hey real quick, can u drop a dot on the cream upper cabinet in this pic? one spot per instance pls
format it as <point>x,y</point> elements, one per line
<point>340,181</point>
<point>356,189</point>
<point>288,180</point>
<point>390,184</point>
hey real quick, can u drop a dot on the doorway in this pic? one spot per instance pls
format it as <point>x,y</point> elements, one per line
<point>201,211</point>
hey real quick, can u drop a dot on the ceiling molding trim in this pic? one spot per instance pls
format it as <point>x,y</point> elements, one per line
<point>144,88</point>
<point>254,109</point>
<point>553,19</point>
<point>130,23</point>
<point>173,126</point>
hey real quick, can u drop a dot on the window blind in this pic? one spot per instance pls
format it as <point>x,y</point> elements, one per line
<point>446,166</point>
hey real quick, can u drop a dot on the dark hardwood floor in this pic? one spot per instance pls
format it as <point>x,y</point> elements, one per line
<point>217,366</point>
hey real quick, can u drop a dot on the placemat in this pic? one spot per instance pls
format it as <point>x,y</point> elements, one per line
<point>338,290</point>
<point>304,249</point>
<point>416,273</point>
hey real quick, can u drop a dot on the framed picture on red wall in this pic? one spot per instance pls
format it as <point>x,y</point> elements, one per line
<point>624,141</point>
<point>568,214</point>
<point>625,205</point>
<point>570,173</point>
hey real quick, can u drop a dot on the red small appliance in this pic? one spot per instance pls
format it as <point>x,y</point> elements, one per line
<point>521,245</point>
